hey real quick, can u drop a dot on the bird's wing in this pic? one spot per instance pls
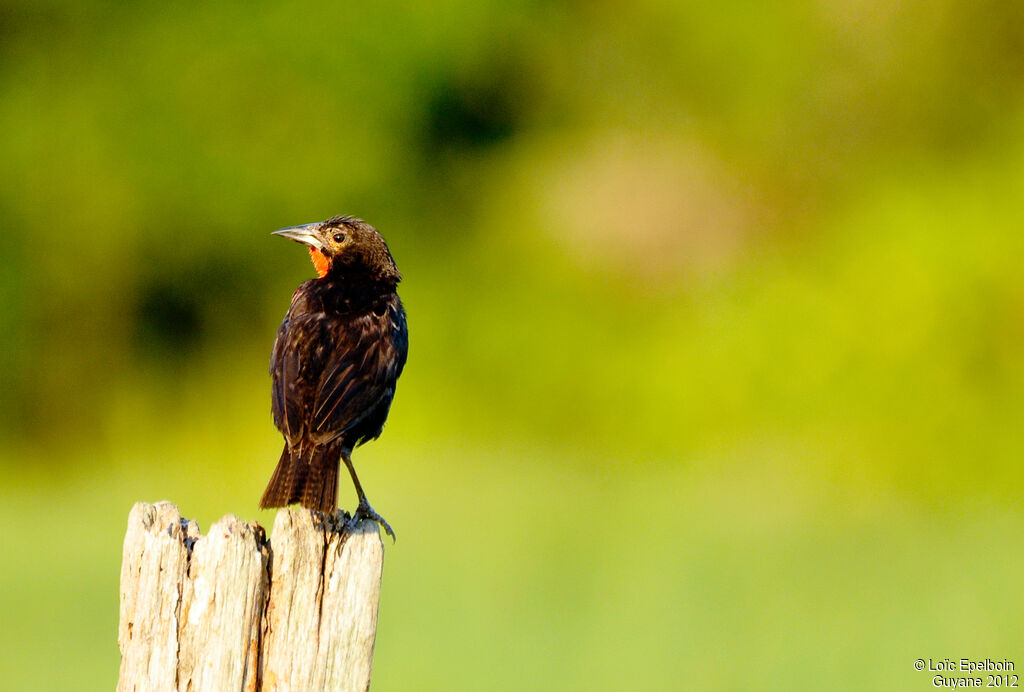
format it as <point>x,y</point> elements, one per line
<point>368,356</point>
<point>297,360</point>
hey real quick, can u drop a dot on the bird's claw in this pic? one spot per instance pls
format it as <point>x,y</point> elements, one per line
<point>365,511</point>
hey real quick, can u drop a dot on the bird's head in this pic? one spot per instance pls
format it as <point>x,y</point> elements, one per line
<point>346,245</point>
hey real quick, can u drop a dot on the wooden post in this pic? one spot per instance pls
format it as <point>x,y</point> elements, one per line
<point>233,611</point>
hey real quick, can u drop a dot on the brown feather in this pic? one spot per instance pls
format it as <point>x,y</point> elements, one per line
<point>334,365</point>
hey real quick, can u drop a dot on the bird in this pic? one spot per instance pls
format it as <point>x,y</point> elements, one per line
<point>335,363</point>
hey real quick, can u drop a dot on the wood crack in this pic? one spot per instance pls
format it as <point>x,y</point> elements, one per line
<point>301,609</point>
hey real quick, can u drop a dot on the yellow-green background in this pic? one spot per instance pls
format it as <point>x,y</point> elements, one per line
<point>716,376</point>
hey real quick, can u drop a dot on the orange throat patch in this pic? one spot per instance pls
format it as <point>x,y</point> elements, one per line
<point>320,262</point>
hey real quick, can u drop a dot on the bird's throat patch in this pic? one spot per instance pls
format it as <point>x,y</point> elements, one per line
<point>320,262</point>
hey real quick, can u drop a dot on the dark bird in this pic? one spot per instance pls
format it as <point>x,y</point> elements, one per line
<point>335,362</point>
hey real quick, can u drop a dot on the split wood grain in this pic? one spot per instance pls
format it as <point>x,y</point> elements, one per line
<point>233,611</point>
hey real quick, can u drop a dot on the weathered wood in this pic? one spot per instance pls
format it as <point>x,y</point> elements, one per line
<point>232,611</point>
<point>322,618</point>
<point>221,606</point>
<point>153,568</point>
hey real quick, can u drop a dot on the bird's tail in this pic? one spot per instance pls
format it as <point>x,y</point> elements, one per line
<point>309,477</point>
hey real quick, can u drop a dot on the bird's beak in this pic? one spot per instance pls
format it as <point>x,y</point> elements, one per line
<point>303,234</point>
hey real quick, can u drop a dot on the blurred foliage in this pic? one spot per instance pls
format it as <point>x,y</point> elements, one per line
<point>729,288</point>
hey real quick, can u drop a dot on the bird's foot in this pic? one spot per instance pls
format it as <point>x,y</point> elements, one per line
<point>365,511</point>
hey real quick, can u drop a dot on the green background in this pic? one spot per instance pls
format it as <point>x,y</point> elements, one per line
<point>716,376</point>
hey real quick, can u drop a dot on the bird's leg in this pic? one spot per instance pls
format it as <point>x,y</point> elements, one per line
<point>364,511</point>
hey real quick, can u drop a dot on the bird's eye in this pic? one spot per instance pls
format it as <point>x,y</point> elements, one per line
<point>339,237</point>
